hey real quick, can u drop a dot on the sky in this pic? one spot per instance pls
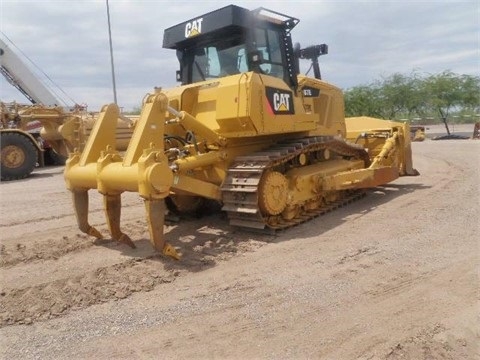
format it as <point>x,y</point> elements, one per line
<point>368,40</point>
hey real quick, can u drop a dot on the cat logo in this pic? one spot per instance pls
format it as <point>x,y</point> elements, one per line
<point>279,101</point>
<point>193,28</point>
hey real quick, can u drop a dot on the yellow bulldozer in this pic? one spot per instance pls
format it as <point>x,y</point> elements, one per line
<point>244,129</point>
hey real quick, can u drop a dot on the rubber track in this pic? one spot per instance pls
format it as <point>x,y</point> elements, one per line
<point>240,188</point>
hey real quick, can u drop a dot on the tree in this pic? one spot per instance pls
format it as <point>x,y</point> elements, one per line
<point>447,92</point>
<point>398,96</point>
<point>363,100</point>
<point>401,95</point>
<point>389,98</point>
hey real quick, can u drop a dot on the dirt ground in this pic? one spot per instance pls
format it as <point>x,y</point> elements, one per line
<point>391,276</point>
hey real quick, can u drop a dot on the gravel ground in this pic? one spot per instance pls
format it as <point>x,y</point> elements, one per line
<point>391,276</point>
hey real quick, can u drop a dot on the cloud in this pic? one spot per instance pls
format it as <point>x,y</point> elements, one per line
<point>68,40</point>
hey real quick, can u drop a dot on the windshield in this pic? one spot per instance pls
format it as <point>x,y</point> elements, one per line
<point>217,61</point>
<point>229,56</point>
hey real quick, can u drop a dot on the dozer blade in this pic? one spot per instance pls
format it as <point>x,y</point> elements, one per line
<point>394,150</point>
<point>143,169</point>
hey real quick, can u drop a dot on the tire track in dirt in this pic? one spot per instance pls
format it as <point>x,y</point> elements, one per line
<point>57,298</point>
<point>52,248</point>
<point>74,287</point>
<point>428,344</point>
<point>118,281</point>
<point>51,245</point>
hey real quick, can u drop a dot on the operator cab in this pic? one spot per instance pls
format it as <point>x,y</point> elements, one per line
<point>233,40</point>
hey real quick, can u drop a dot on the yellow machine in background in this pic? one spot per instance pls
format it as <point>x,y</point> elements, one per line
<point>417,133</point>
<point>244,129</point>
<point>29,136</point>
<point>28,132</point>
<point>44,130</point>
<point>387,142</point>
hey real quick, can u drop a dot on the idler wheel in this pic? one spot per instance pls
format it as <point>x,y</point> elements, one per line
<point>272,193</point>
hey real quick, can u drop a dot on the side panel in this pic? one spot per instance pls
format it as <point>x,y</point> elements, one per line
<point>326,103</point>
<point>279,110</point>
<point>250,104</point>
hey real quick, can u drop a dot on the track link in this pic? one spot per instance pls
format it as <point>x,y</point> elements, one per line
<point>241,187</point>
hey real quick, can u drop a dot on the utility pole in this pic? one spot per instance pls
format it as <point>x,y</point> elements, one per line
<point>111,56</point>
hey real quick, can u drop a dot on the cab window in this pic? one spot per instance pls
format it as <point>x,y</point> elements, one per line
<point>267,41</point>
<point>218,60</point>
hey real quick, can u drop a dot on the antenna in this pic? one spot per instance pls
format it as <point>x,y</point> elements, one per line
<point>111,55</point>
